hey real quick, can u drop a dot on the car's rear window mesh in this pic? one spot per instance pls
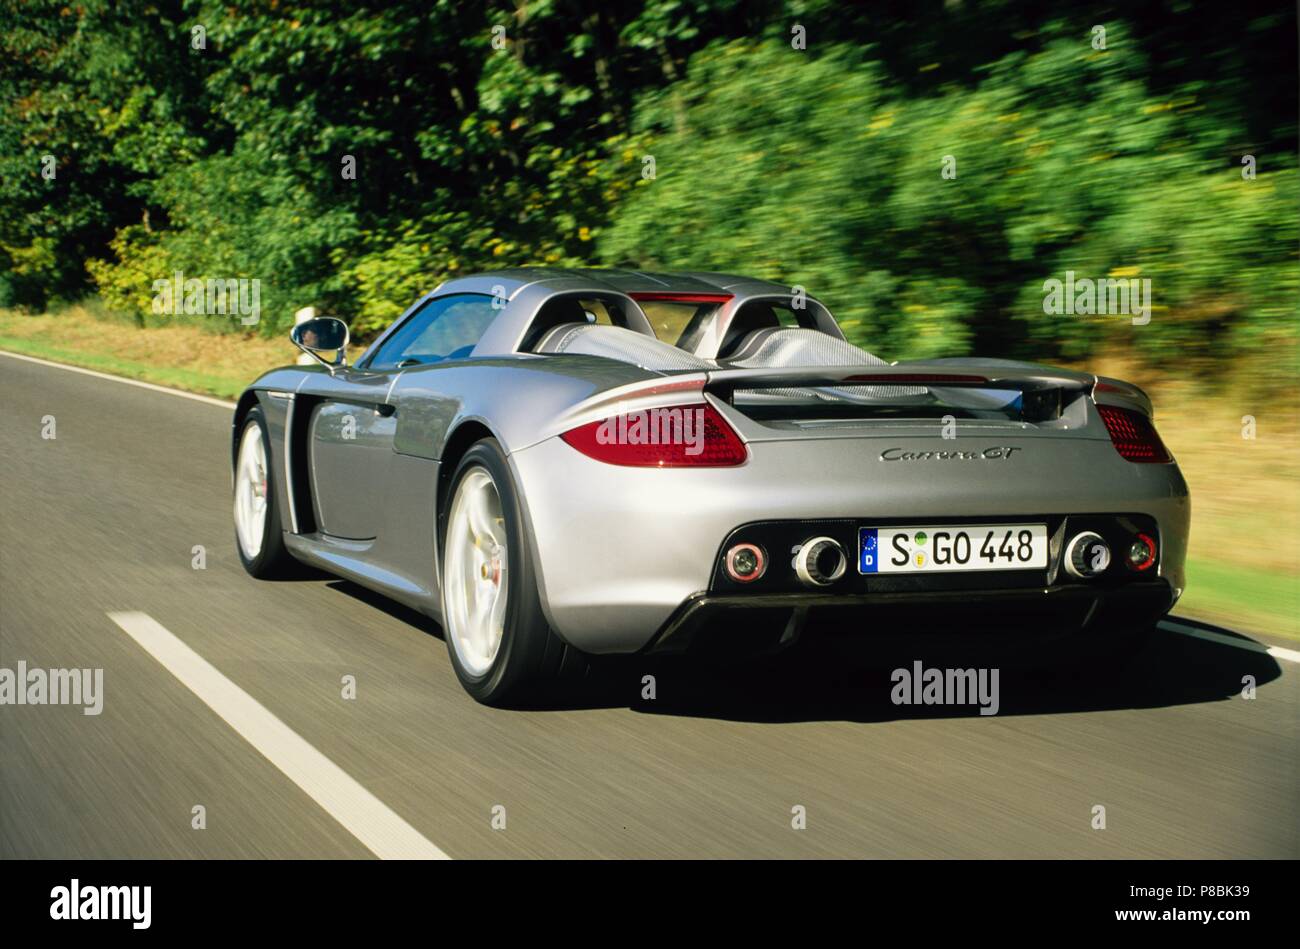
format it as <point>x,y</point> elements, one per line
<point>614,342</point>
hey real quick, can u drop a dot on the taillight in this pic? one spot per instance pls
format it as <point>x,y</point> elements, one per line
<point>1133,435</point>
<point>678,436</point>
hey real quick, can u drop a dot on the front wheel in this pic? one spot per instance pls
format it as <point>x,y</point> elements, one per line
<point>500,645</point>
<point>258,535</point>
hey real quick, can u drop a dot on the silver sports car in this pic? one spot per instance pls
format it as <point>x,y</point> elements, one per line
<point>556,464</point>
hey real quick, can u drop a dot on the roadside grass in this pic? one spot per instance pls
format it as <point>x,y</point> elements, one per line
<point>184,356</point>
<point>1237,597</point>
<point>1244,556</point>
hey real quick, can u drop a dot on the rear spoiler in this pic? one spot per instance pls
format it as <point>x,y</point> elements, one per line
<point>723,383</point>
<point>1047,391</point>
<point>1117,391</point>
<point>1043,394</point>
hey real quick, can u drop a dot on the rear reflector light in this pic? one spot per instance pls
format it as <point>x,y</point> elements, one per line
<point>1133,435</point>
<point>1141,553</point>
<point>745,563</point>
<point>678,436</point>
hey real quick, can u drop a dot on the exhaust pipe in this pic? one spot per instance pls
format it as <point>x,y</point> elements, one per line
<point>1087,555</point>
<point>820,561</point>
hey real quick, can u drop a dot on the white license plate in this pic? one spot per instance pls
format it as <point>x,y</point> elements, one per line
<point>939,549</point>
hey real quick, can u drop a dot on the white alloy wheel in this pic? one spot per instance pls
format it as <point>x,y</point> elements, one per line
<point>250,492</point>
<point>475,572</point>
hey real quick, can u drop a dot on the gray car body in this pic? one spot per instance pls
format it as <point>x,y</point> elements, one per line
<point>618,550</point>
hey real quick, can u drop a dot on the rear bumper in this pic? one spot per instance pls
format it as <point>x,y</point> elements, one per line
<point>620,552</point>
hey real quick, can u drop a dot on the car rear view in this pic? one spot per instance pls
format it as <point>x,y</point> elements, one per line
<point>982,497</point>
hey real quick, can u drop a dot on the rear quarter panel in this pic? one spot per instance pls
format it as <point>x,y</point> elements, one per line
<point>517,398</point>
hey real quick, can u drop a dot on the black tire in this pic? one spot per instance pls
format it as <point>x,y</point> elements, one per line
<point>273,561</point>
<point>532,662</point>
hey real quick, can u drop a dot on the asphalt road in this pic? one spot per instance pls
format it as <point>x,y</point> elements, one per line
<point>104,518</point>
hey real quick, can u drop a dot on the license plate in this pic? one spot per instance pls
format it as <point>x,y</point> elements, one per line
<point>938,549</point>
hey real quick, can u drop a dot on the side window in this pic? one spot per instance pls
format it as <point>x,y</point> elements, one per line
<point>444,328</point>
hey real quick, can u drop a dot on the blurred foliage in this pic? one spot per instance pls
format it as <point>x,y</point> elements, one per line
<point>509,133</point>
<point>818,172</point>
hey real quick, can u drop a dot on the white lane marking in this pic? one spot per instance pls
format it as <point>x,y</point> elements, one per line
<point>366,817</point>
<point>131,382</point>
<point>1277,652</point>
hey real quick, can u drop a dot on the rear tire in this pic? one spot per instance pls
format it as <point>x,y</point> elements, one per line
<point>259,537</point>
<point>501,648</point>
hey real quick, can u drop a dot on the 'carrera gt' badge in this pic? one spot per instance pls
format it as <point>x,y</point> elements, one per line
<point>996,453</point>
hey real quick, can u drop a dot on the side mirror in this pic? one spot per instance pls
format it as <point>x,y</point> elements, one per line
<point>322,335</point>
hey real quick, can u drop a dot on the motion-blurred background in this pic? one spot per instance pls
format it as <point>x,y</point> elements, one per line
<point>922,168</point>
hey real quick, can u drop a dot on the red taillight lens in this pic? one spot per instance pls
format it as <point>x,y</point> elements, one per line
<point>1133,435</point>
<point>678,436</point>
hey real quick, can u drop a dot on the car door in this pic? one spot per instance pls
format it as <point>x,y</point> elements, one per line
<point>349,442</point>
<point>353,422</point>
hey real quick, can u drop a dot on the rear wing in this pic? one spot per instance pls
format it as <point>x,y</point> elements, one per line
<point>1039,394</point>
<point>722,382</point>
